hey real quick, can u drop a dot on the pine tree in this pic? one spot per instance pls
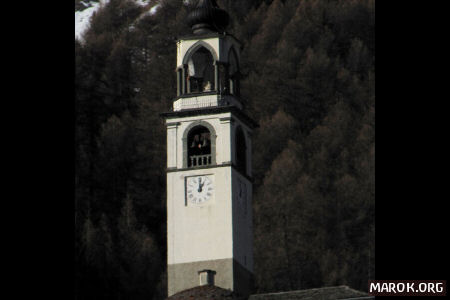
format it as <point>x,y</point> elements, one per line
<point>140,260</point>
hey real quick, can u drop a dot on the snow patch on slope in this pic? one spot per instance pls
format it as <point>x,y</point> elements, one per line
<point>142,2</point>
<point>83,17</point>
<point>149,12</point>
<point>154,9</point>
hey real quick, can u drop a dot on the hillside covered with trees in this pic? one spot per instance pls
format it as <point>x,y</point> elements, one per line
<point>308,80</point>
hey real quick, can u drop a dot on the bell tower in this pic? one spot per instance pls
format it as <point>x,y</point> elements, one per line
<point>209,171</point>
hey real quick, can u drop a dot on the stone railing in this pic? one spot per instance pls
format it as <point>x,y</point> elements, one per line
<point>199,101</point>
<point>203,101</point>
<point>199,160</point>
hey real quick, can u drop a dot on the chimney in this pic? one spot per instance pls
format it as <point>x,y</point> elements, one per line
<point>206,277</point>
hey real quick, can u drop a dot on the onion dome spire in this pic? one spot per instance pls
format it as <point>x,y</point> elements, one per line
<point>208,17</point>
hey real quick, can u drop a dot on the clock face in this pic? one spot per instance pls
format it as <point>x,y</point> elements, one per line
<point>199,189</point>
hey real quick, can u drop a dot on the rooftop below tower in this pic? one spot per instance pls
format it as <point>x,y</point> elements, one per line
<point>206,292</point>
<point>325,293</point>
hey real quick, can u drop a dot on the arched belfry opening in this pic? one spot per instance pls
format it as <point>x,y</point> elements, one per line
<point>199,146</point>
<point>200,76</point>
<point>198,72</point>
<point>241,151</point>
<point>233,72</point>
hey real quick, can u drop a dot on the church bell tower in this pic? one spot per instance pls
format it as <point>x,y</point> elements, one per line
<point>209,171</point>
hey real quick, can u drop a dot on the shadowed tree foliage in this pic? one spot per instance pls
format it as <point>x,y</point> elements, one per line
<point>307,79</point>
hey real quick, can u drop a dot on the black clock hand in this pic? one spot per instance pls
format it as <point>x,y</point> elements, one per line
<point>200,185</point>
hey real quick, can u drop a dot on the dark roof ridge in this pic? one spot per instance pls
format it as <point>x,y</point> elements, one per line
<point>319,288</point>
<point>205,292</point>
<point>341,292</point>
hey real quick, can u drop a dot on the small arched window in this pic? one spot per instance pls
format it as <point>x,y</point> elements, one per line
<point>241,151</point>
<point>200,74</point>
<point>199,147</point>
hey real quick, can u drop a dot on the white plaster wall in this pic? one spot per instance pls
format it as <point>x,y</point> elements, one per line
<point>199,232</point>
<point>216,229</point>
<point>242,224</point>
<point>172,146</point>
<point>222,140</point>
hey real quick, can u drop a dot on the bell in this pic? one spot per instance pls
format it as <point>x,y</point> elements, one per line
<point>195,140</point>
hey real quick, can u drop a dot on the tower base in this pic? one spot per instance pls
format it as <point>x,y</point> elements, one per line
<point>229,275</point>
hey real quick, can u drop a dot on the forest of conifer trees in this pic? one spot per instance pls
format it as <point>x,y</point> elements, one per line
<point>308,80</point>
